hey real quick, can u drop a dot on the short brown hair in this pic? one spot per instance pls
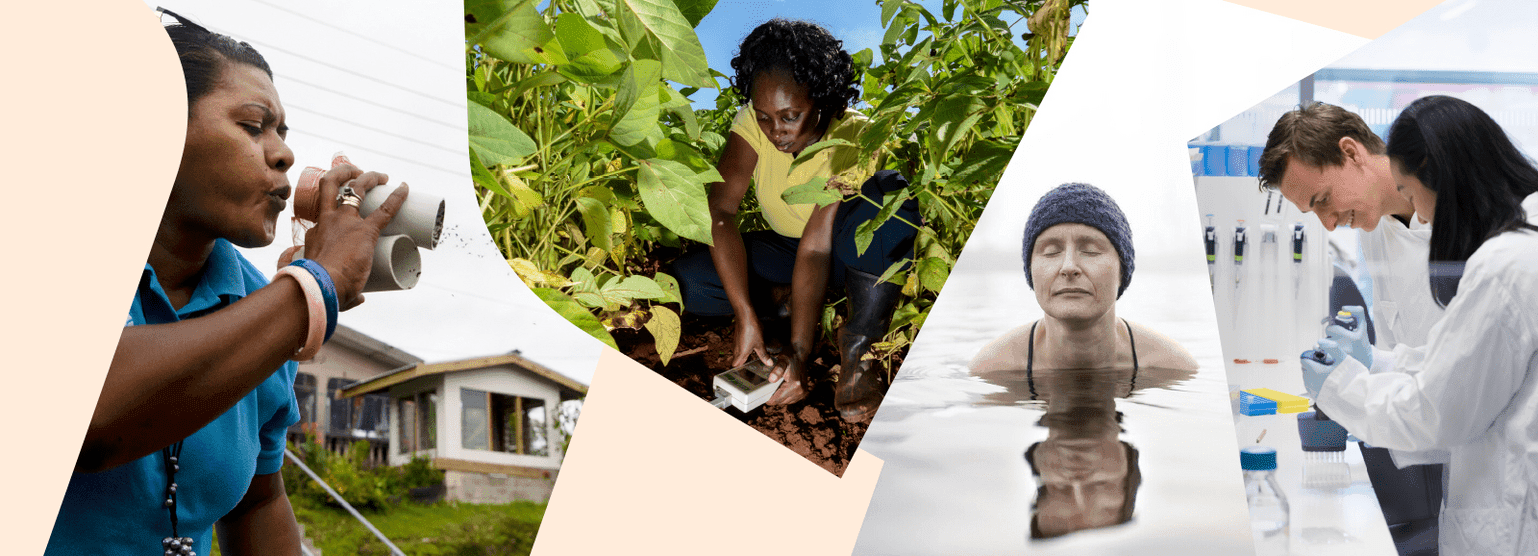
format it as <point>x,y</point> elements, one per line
<point>1312,134</point>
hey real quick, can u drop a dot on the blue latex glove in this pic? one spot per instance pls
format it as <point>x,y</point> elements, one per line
<point>1315,371</point>
<point>1354,342</point>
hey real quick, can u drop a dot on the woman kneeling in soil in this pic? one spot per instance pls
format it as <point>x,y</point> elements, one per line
<point>800,84</point>
<point>1079,260</point>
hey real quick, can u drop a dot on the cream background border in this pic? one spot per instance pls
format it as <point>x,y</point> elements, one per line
<point>96,114</point>
<point>1364,18</point>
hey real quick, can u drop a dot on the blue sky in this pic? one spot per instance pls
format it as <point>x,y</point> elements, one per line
<point>857,23</point>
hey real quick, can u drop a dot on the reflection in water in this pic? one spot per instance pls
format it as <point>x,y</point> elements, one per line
<point>955,480</point>
<point>1086,476</point>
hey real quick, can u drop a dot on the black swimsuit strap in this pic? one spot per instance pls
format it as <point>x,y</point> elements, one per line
<point>1030,359</point>
<point>1030,356</point>
<point>1133,344</point>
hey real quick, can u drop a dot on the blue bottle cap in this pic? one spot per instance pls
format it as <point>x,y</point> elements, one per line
<point>1257,458</point>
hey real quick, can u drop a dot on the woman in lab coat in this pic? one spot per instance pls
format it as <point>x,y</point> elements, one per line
<point>1473,388</point>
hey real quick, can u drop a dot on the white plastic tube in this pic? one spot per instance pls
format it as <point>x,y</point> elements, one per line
<point>397,265</point>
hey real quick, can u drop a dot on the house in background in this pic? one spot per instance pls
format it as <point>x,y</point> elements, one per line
<point>489,423</point>
<point>350,357</point>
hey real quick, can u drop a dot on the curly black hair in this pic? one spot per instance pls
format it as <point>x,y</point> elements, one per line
<point>809,53</point>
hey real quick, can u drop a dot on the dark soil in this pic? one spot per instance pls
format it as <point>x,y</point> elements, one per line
<point>811,427</point>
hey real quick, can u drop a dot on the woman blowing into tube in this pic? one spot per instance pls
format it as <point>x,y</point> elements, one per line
<point>189,431</point>
<point>1473,389</point>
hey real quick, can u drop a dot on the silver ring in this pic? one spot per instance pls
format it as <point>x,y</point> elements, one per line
<point>346,196</point>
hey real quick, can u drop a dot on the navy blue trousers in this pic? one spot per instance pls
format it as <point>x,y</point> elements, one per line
<point>772,257</point>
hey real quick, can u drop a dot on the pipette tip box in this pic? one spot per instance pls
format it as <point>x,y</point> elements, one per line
<point>1285,403</point>
<point>1250,404</point>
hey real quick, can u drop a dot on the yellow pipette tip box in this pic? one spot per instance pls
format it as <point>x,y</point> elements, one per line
<point>1285,403</point>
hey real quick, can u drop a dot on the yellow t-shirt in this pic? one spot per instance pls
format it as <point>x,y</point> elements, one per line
<point>772,175</point>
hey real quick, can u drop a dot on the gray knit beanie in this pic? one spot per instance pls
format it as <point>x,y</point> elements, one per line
<point>1081,203</point>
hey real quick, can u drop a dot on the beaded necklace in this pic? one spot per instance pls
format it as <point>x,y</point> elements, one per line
<point>174,545</point>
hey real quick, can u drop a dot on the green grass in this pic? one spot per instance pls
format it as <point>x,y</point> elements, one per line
<point>445,528</point>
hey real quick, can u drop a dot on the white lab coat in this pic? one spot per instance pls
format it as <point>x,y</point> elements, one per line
<point>1473,389</point>
<point>1403,309</point>
<point>1395,257</point>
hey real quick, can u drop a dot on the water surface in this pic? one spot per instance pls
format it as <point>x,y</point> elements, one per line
<point>970,461</point>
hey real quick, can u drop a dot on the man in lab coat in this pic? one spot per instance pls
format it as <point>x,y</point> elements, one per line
<point>1325,160</point>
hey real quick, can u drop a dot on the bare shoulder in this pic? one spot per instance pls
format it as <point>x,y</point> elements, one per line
<point>1007,352</point>
<point>1157,350</point>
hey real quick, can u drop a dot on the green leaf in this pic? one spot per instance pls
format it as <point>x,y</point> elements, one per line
<point>828,317</point>
<point>525,199</point>
<point>904,315</point>
<point>866,232</point>
<point>575,313</point>
<point>712,140</point>
<point>479,97</point>
<point>695,10</point>
<point>540,79</point>
<point>676,151</point>
<point>812,192</point>
<point>932,273</point>
<point>1032,93</point>
<point>676,45</point>
<point>666,328</point>
<point>513,31</point>
<point>890,8</point>
<point>633,287</point>
<point>484,177</point>
<point>954,116</point>
<point>591,55</point>
<point>892,271</point>
<point>894,30</point>
<point>673,293</point>
<point>675,195</point>
<point>983,164</point>
<point>595,221</point>
<point>812,150</point>
<point>637,105</point>
<point>863,59</point>
<point>495,139</point>
<point>583,280</point>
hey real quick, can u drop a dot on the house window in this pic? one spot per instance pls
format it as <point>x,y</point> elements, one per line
<point>419,422</point>
<point>502,423</point>
<point>341,409</point>
<point>365,416</point>
<point>474,424</point>
<point>304,394</point>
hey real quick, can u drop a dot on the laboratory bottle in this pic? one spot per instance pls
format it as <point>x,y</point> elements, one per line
<point>1268,506</point>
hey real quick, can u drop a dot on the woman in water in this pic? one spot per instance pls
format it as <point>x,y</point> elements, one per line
<point>1078,260</point>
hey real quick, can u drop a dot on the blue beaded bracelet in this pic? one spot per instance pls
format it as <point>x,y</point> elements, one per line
<point>327,290</point>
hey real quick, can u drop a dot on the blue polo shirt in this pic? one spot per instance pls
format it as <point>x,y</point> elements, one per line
<point>121,510</point>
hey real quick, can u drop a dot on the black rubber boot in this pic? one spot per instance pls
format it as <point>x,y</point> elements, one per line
<point>862,382</point>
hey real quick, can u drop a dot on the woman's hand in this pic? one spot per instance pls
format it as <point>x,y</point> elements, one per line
<point>793,389</point>
<point>750,343</point>
<point>342,241</point>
